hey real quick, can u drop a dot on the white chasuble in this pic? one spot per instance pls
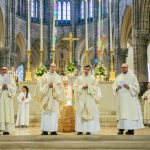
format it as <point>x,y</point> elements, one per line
<point>87,113</point>
<point>49,99</point>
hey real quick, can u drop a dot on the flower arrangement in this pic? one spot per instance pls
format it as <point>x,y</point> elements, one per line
<point>71,69</point>
<point>41,70</point>
<point>101,72</point>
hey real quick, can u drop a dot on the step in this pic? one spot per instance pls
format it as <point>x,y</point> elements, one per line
<point>77,145</point>
<point>68,142</point>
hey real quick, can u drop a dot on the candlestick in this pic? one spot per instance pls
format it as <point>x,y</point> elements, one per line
<point>28,72</point>
<point>41,32</point>
<point>112,72</point>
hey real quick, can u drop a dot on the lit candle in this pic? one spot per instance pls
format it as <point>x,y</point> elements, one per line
<point>29,47</point>
<point>41,25</point>
<point>111,47</point>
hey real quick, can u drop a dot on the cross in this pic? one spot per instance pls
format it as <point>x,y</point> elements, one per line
<point>70,39</point>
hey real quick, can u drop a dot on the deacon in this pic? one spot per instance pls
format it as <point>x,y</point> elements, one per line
<point>129,116</point>
<point>68,92</point>
<point>87,113</point>
<point>49,92</point>
<point>7,92</point>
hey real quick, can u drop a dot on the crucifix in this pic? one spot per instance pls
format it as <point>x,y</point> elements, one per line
<point>70,39</point>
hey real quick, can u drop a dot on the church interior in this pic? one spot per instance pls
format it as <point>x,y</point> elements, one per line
<point>73,33</point>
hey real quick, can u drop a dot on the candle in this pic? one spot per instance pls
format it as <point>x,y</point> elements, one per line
<point>102,16</point>
<point>29,48</point>
<point>110,25</point>
<point>99,25</point>
<point>41,25</point>
<point>86,23</point>
<point>53,40</point>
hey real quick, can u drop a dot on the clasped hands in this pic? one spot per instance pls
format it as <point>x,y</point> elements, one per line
<point>23,98</point>
<point>85,86</point>
<point>124,85</point>
<point>4,87</point>
<point>145,98</point>
<point>51,85</point>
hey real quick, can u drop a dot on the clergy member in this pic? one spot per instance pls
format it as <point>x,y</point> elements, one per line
<point>146,99</point>
<point>7,92</point>
<point>129,116</point>
<point>86,93</point>
<point>50,92</point>
<point>68,92</point>
<point>24,99</point>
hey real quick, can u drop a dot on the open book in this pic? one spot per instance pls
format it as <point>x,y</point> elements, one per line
<point>7,79</point>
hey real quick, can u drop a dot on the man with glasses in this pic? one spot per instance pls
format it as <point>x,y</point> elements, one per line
<point>7,92</point>
<point>49,92</point>
<point>126,88</point>
<point>87,113</point>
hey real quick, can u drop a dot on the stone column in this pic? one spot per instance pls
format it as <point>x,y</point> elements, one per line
<point>140,38</point>
<point>74,20</point>
<point>13,35</point>
<point>95,20</point>
<point>140,46</point>
<point>117,60</point>
<point>50,29</point>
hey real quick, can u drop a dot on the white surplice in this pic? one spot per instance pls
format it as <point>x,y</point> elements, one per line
<point>6,103</point>
<point>87,113</point>
<point>23,109</point>
<point>129,115</point>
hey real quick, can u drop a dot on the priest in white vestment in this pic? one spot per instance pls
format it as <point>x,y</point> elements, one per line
<point>24,99</point>
<point>86,93</point>
<point>7,92</point>
<point>126,88</point>
<point>146,99</point>
<point>50,92</point>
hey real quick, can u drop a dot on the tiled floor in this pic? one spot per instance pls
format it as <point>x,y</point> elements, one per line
<point>104,131</point>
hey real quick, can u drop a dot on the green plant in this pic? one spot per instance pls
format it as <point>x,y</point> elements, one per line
<point>71,69</point>
<point>101,71</point>
<point>41,70</point>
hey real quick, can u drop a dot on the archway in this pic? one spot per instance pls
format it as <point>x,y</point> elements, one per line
<point>21,56</point>
<point>126,28</point>
<point>62,55</point>
<point>126,37</point>
<point>20,49</point>
<point>130,57</point>
<point>35,54</point>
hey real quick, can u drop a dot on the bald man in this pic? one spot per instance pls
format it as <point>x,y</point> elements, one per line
<point>126,88</point>
<point>50,92</point>
<point>7,92</point>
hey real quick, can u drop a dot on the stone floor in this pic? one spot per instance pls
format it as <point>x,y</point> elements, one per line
<point>104,131</point>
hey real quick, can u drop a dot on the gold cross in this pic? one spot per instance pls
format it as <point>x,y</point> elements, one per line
<point>70,39</point>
